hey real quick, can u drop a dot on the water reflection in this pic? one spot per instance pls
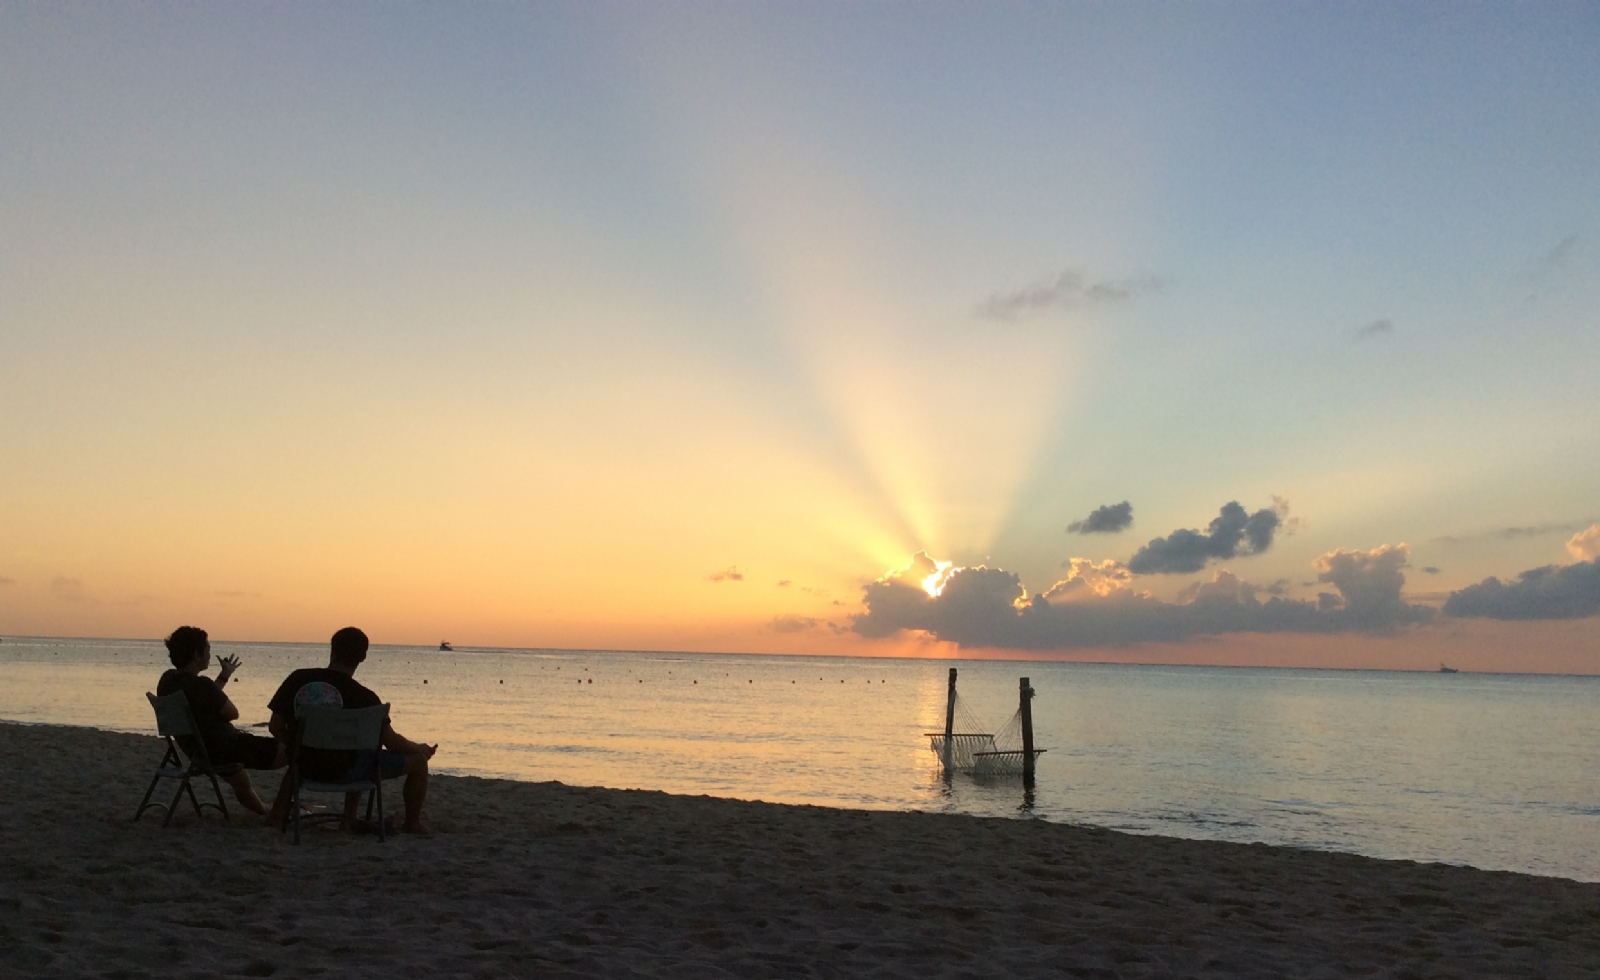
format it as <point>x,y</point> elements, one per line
<point>1495,771</point>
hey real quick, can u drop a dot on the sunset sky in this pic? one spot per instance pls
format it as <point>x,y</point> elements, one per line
<point>689,326</point>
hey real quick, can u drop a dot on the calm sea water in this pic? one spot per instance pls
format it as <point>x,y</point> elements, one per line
<point>1490,770</point>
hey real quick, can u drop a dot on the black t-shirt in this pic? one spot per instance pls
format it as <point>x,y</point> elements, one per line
<point>322,764</point>
<point>205,703</point>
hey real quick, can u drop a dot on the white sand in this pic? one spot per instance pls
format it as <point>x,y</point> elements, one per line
<point>547,880</point>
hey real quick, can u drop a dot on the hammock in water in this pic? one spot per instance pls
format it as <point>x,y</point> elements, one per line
<point>965,747</point>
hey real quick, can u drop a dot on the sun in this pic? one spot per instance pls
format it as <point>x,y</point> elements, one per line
<point>934,584</point>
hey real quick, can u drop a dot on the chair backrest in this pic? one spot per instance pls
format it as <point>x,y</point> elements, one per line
<point>172,714</point>
<point>342,728</point>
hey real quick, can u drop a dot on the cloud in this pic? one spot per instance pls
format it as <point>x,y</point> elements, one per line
<point>1109,519</point>
<point>1510,533</point>
<point>1234,532</point>
<point>802,624</point>
<point>68,589</point>
<point>729,574</point>
<point>1377,328</point>
<point>1094,606</point>
<point>1369,583</point>
<point>1585,545</point>
<point>1551,592</point>
<point>1086,579</point>
<point>784,583</point>
<point>1430,570</point>
<point>1557,256</point>
<point>1067,290</point>
<point>7,581</point>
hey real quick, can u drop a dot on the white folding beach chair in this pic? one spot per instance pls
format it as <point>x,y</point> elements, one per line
<point>175,722</point>
<point>348,729</point>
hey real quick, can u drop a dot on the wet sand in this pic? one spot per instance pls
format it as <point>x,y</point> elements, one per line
<point>548,880</point>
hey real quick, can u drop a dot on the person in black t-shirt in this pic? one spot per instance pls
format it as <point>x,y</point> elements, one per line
<point>190,651</point>
<point>336,684</point>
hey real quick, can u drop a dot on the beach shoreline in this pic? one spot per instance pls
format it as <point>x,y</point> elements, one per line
<point>557,880</point>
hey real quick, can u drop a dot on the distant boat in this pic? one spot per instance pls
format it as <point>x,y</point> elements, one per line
<point>443,645</point>
<point>1448,670</point>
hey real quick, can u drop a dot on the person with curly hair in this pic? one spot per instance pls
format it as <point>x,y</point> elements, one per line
<point>189,648</point>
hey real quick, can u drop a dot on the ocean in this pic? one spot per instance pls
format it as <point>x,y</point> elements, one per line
<point>1495,771</point>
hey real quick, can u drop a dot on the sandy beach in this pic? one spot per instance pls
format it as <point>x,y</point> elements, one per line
<point>544,879</point>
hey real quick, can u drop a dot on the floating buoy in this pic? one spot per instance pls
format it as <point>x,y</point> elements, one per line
<point>424,680</point>
<point>502,682</point>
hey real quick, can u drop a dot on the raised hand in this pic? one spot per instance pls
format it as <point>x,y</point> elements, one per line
<point>229,664</point>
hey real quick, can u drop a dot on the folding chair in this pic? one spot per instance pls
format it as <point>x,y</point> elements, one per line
<point>175,721</point>
<point>348,729</point>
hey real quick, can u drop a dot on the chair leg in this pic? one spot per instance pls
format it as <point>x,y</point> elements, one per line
<point>294,806</point>
<point>194,800</point>
<point>222,804</point>
<point>289,804</point>
<point>145,803</point>
<point>377,791</point>
<point>177,798</point>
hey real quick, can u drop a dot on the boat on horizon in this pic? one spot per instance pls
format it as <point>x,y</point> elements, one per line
<point>1448,670</point>
<point>445,645</point>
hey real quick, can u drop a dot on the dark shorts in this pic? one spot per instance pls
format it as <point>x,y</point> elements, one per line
<point>250,751</point>
<point>391,765</point>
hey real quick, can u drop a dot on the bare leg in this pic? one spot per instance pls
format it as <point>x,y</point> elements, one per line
<point>280,803</point>
<point>246,793</point>
<point>416,790</point>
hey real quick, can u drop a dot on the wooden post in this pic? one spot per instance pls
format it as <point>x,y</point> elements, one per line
<point>950,719</point>
<point>1026,708</point>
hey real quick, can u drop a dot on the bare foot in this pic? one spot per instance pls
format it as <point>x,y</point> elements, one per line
<point>418,827</point>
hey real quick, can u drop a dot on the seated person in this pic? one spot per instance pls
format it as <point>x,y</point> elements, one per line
<point>190,651</point>
<point>336,684</point>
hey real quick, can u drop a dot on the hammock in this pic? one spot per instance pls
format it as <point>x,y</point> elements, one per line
<point>978,752</point>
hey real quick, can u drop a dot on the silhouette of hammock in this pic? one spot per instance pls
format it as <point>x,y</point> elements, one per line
<point>970,749</point>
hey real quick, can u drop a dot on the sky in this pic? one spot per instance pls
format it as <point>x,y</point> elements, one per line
<point>1237,333</point>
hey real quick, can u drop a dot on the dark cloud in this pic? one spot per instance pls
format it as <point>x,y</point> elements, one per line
<point>1234,532</point>
<point>1067,290</point>
<point>784,583</point>
<point>1104,520</point>
<point>1430,570</point>
<point>988,607</point>
<point>1551,592</point>
<point>729,574</point>
<point>1377,328</point>
<point>1369,584</point>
